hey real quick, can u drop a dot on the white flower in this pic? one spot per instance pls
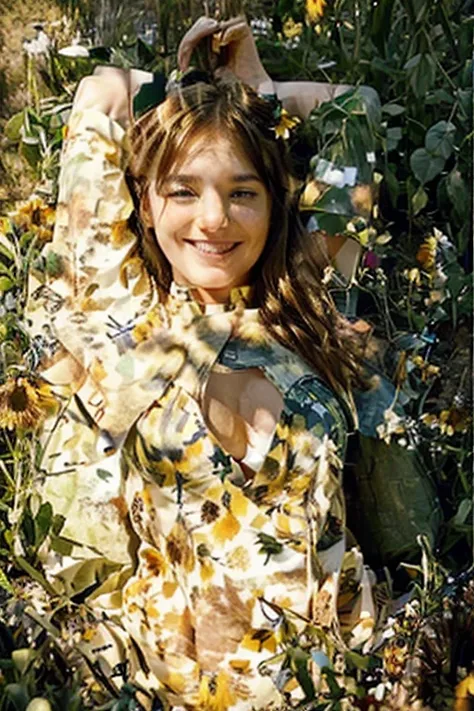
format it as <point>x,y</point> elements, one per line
<point>74,50</point>
<point>393,424</point>
<point>38,46</point>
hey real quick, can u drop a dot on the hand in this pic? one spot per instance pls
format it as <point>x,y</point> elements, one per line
<point>110,90</point>
<point>242,62</point>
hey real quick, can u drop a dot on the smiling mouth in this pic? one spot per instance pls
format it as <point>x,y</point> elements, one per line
<point>214,248</point>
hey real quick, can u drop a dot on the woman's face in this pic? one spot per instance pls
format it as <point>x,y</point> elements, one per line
<point>211,217</point>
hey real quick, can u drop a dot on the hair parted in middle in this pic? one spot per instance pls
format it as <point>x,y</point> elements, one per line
<point>294,304</point>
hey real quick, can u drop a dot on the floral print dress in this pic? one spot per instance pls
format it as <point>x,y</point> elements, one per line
<point>203,575</point>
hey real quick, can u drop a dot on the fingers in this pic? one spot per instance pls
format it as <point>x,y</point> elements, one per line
<point>234,30</point>
<point>203,27</point>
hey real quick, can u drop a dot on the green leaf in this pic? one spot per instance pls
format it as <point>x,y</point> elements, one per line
<point>394,135</point>
<point>425,166</point>
<point>31,153</point>
<point>103,474</point>
<point>381,23</point>
<point>419,200</point>
<point>17,696</point>
<point>463,512</point>
<point>439,139</point>
<point>13,127</point>
<point>421,71</point>
<point>43,522</point>
<point>458,193</point>
<point>358,661</point>
<point>57,524</point>
<point>5,283</point>
<point>440,96</point>
<point>393,109</point>
<point>61,545</point>
<point>299,663</point>
<point>393,186</point>
<point>5,583</point>
<point>35,574</point>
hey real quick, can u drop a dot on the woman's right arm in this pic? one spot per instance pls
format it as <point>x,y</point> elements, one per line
<point>89,294</point>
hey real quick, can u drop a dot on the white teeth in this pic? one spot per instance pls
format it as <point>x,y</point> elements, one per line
<point>211,248</point>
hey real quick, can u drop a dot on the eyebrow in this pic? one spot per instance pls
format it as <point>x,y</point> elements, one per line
<point>182,178</point>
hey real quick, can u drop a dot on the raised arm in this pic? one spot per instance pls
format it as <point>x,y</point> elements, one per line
<point>243,63</point>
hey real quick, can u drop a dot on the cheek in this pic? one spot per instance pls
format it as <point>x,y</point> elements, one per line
<point>168,220</point>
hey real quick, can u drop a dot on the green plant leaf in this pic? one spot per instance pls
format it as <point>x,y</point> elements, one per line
<point>421,71</point>
<point>5,583</point>
<point>394,135</point>
<point>425,166</point>
<point>103,474</point>
<point>439,139</point>
<point>458,193</point>
<point>57,524</point>
<point>419,200</point>
<point>5,283</point>
<point>17,695</point>
<point>13,127</point>
<point>299,663</point>
<point>393,185</point>
<point>393,109</point>
<point>43,522</point>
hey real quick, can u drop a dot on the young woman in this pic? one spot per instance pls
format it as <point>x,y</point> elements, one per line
<point>206,378</point>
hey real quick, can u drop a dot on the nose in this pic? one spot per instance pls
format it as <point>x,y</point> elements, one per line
<point>213,212</point>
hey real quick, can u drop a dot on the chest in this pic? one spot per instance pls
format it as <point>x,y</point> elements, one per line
<point>241,409</point>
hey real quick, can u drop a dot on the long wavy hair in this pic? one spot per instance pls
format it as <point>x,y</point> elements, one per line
<point>294,303</point>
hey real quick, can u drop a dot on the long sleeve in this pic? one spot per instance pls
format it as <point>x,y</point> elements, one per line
<point>92,283</point>
<point>90,287</point>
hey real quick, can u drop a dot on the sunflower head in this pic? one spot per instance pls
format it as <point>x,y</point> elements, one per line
<point>37,217</point>
<point>25,402</point>
<point>315,9</point>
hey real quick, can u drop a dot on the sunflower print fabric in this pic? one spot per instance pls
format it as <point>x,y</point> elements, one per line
<point>202,574</point>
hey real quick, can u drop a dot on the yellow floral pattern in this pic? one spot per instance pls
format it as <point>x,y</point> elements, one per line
<point>203,568</point>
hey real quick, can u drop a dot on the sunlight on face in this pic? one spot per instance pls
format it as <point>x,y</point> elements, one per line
<point>211,217</point>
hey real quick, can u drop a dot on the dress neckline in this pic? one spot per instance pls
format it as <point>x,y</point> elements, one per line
<point>240,297</point>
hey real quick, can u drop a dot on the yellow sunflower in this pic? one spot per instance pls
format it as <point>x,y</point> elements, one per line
<point>215,692</point>
<point>37,217</point>
<point>24,403</point>
<point>315,9</point>
<point>426,255</point>
<point>287,122</point>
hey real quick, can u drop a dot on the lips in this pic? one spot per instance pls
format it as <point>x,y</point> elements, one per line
<point>213,248</point>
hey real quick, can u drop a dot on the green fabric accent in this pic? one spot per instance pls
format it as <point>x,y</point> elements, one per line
<point>150,95</point>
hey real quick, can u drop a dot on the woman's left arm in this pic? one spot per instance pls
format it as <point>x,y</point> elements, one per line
<point>243,63</point>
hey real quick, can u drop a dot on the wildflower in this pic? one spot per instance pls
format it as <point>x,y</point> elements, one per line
<point>215,693</point>
<point>311,195</point>
<point>371,260</point>
<point>426,255</point>
<point>448,421</point>
<point>39,45</point>
<point>37,217</point>
<point>413,276</point>
<point>427,370</point>
<point>287,122</point>
<point>393,424</point>
<point>315,9</point>
<point>24,403</point>
<point>292,29</point>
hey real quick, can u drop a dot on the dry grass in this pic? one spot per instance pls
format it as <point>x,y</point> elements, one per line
<point>16,25</point>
